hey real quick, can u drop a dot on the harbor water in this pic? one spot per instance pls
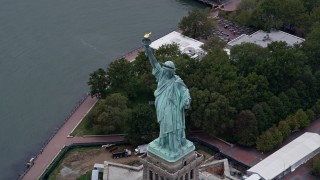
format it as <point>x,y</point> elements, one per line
<point>47,50</point>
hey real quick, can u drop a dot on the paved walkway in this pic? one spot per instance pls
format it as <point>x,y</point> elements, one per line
<point>132,56</point>
<point>231,5</point>
<point>247,156</point>
<point>61,139</point>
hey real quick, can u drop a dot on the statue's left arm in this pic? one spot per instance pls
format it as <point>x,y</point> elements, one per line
<point>186,98</point>
<point>185,95</point>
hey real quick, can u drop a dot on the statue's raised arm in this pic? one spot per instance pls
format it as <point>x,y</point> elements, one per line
<point>146,42</point>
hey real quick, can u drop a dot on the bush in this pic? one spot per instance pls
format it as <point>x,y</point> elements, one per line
<point>315,170</point>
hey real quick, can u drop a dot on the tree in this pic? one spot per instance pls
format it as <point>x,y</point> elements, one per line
<point>267,15</point>
<point>168,52</point>
<point>217,116</point>
<point>142,125</point>
<point>98,83</point>
<point>274,14</point>
<point>312,48</point>
<point>261,116</point>
<point>141,64</point>
<point>307,20</point>
<point>293,123</point>
<point>277,107</point>
<point>302,118</point>
<point>302,91</point>
<point>245,128</point>
<point>310,4</point>
<point>271,117</point>
<point>311,115</point>
<point>316,108</point>
<point>120,73</point>
<point>283,66</point>
<point>212,43</point>
<point>244,10</point>
<point>253,88</point>
<point>269,139</point>
<point>316,166</point>
<point>294,98</point>
<point>246,57</point>
<point>200,99</point>
<point>284,128</point>
<point>287,106</point>
<point>112,114</point>
<point>197,24</point>
<point>264,142</point>
<point>291,9</point>
<point>277,136</point>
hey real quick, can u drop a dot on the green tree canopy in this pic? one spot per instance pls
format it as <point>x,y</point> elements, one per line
<point>246,130</point>
<point>142,125</point>
<point>316,108</point>
<point>244,11</point>
<point>168,52</point>
<point>302,118</point>
<point>306,21</point>
<point>284,128</point>
<point>264,142</point>
<point>112,114</point>
<point>312,48</point>
<point>293,123</point>
<point>315,169</point>
<point>197,24</point>
<point>212,43</point>
<point>246,57</point>
<point>274,14</point>
<point>120,73</point>
<point>98,83</point>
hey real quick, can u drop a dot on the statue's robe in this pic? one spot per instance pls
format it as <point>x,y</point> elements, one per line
<point>170,98</point>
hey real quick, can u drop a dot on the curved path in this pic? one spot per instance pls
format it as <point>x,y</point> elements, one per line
<point>62,139</point>
<point>231,5</point>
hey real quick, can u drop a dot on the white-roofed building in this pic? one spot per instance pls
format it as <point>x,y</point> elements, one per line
<point>98,167</point>
<point>95,174</point>
<point>187,45</point>
<point>288,158</point>
<point>121,172</point>
<point>262,38</point>
<point>253,177</point>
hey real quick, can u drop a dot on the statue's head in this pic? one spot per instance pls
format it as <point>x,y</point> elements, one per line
<point>169,65</point>
<point>170,68</point>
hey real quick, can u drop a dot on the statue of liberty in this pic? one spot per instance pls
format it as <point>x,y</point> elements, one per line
<point>171,99</point>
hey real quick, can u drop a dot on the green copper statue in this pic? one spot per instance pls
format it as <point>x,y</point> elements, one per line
<point>171,98</point>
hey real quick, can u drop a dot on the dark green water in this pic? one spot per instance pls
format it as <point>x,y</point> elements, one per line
<point>47,50</point>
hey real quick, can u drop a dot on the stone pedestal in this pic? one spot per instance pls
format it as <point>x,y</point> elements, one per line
<point>166,154</point>
<point>184,168</point>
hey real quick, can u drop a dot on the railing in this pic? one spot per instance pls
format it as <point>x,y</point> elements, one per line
<point>78,104</point>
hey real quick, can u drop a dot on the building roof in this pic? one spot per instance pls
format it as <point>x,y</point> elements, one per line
<point>121,172</point>
<point>95,174</point>
<point>186,45</point>
<point>253,177</point>
<point>262,38</point>
<point>287,156</point>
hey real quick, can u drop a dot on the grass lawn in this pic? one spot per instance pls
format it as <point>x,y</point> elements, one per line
<point>81,129</point>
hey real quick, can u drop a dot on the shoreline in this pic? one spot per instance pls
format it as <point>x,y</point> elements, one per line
<point>130,56</point>
<point>62,133</point>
